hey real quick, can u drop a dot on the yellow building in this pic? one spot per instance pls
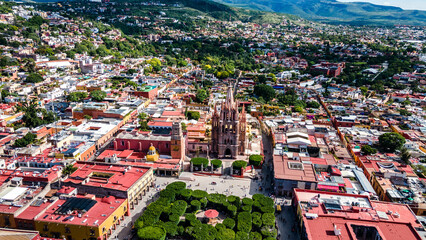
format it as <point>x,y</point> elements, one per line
<point>152,155</point>
<point>82,217</point>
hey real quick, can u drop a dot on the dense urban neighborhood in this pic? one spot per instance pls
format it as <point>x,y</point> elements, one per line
<point>194,120</point>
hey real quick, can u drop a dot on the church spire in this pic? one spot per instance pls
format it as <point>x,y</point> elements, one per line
<point>229,98</point>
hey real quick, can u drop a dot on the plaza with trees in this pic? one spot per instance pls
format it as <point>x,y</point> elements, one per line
<point>178,213</point>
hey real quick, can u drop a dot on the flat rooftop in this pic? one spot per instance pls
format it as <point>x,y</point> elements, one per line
<point>323,213</point>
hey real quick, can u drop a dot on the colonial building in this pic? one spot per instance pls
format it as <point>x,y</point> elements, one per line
<point>228,129</point>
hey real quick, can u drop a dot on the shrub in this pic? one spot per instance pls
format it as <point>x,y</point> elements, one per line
<point>255,236</point>
<point>268,219</point>
<point>229,223</point>
<point>216,163</point>
<point>255,160</point>
<point>242,236</point>
<point>244,222</point>
<point>152,233</point>
<point>199,194</point>
<point>177,186</point>
<point>247,201</point>
<point>195,205</point>
<point>225,234</point>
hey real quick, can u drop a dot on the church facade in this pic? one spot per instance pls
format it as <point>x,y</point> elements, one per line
<point>228,129</point>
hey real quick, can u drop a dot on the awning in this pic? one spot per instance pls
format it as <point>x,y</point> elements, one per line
<point>328,188</point>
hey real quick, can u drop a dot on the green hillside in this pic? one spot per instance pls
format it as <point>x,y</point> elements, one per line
<point>331,11</point>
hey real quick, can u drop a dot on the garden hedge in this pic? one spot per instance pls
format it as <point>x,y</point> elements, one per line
<point>255,160</point>
<point>152,233</point>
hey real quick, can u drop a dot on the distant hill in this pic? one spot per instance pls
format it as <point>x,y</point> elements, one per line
<point>332,11</point>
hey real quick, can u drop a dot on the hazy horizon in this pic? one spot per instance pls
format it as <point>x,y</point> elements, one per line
<point>404,4</point>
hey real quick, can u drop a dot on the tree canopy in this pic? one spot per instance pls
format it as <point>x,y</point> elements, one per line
<point>390,142</point>
<point>98,95</point>
<point>265,91</point>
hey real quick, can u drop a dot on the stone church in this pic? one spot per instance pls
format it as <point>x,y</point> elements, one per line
<point>228,129</point>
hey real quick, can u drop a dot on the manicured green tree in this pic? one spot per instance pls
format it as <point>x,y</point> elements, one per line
<point>198,161</point>
<point>229,223</point>
<point>171,229</point>
<point>225,234</point>
<point>195,205</point>
<point>242,236</point>
<point>232,210</point>
<point>216,163</point>
<point>185,194</point>
<point>203,202</point>
<point>247,208</point>
<point>268,232</point>
<point>234,200</point>
<point>244,222</point>
<point>152,233</point>
<point>177,186</point>
<point>255,236</point>
<point>239,165</point>
<point>247,201</point>
<point>268,219</point>
<point>199,194</point>
<point>255,160</point>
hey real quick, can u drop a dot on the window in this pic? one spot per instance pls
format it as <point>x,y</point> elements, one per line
<point>45,227</point>
<point>67,230</point>
<point>92,232</point>
<point>122,143</point>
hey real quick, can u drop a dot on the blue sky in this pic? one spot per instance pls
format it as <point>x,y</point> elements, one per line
<point>404,4</point>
